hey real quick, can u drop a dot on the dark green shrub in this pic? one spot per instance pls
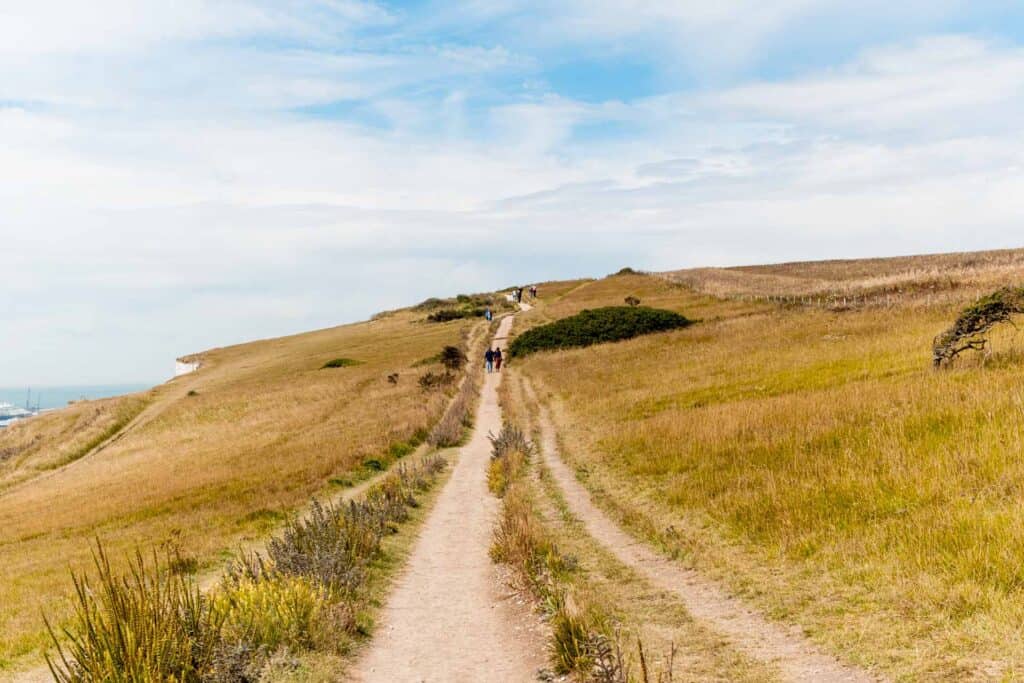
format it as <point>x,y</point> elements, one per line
<point>448,314</point>
<point>626,271</point>
<point>400,449</point>
<point>452,357</point>
<point>613,323</point>
<point>419,436</point>
<point>340,363</point>
<point>632,301</point>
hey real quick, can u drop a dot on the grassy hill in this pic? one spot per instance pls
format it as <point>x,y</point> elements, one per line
<point>798,449</point>
<point>208,460</point>
<point>809,456</point>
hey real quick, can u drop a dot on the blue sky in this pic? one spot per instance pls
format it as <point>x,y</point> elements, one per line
<point>176,176</point>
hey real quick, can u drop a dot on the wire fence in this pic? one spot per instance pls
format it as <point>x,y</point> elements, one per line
<point>841,301</point>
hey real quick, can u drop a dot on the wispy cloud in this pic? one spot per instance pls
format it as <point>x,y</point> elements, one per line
<point>177,176</point>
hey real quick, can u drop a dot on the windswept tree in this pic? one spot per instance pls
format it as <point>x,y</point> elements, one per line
<point>969,331</point>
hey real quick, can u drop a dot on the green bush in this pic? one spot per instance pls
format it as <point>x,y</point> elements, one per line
<point>147,625</point>
<point>448,314</point>
<point>270,611</point>
<point>340,363</point>
<point>452,357</point>
<point>613,323</point>
<point>154,625</point>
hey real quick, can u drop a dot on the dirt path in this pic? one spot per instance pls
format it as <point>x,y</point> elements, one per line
<point>450,618</point>
<point>751,633</point>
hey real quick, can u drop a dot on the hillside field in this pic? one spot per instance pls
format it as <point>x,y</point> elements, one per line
<point>810,458</point>
<point>207,461</point>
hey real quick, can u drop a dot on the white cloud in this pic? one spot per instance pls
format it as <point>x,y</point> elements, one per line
<point>163,191</point>
<point>931,85</point>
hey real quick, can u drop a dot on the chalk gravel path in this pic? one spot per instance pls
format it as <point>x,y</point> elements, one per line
<point>451,618</point>
<point>796,658</point>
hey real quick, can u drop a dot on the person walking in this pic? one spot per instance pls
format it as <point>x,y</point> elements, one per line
<point>488,315</point>
<point>489,360</point>
<point>497,359</point>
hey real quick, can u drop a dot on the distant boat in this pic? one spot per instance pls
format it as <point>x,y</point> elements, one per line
<point>11,413</point>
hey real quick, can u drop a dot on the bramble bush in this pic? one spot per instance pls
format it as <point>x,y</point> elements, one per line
<point>609,324</point>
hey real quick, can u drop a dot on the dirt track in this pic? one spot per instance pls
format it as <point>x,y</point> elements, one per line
<point>450,618</point>
<point>786,648</point>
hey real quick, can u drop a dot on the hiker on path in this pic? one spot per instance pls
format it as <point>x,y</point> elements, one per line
<point>488,315</point>
<point>497,359</point>
<point>489,360</point>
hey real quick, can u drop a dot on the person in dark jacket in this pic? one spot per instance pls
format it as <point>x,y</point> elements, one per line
<point>497,359</point>
<point>489,360</point>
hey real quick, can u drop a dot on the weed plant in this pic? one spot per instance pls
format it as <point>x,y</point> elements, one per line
<point>153,624</point>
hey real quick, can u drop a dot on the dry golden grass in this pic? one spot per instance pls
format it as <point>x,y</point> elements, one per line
<point>813,461</point>
<point>265,429</point>
<point>630,605</point>
<point>935,278</point>
<point>44,443</point>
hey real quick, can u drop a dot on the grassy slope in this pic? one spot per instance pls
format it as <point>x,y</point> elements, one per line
<point>639,611</point>
<point>47,442</point>
<point>267,429</point>
<point>816,463</point>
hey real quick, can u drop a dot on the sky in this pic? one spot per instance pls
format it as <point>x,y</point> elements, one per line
<point>179,176</point>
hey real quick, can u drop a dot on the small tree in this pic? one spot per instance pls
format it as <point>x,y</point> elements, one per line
<point>975,321</point>
<point>632,301</point>
<point>452,358</point>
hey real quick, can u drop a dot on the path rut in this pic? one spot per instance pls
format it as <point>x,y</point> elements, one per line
<point>796,658</point>
<point>450,618</point>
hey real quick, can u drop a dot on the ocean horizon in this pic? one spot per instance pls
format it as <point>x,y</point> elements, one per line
<point>59,396</point>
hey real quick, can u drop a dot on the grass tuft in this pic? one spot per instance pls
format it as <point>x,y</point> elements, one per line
<point>153,623</point>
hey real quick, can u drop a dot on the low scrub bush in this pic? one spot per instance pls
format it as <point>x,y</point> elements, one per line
<point>452,358</point>
<point>152,624</point>
<point>609,324</point>
<point>430,304</point>
<point>145,625</point>
<point>452,426</point>
<point>269,612</point>
<point>448,314</point>
<point>340,363</point>
<point>510,453</point>
<point>435,380</point>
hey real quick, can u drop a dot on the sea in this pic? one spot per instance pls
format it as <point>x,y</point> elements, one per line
<point>59,396</point>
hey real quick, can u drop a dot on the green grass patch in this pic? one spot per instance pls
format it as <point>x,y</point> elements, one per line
<point>341,363</point>
<point>608,324</point>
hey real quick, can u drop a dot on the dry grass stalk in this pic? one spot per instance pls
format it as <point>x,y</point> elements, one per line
<point>266,430</point>
<point>154,625</point>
